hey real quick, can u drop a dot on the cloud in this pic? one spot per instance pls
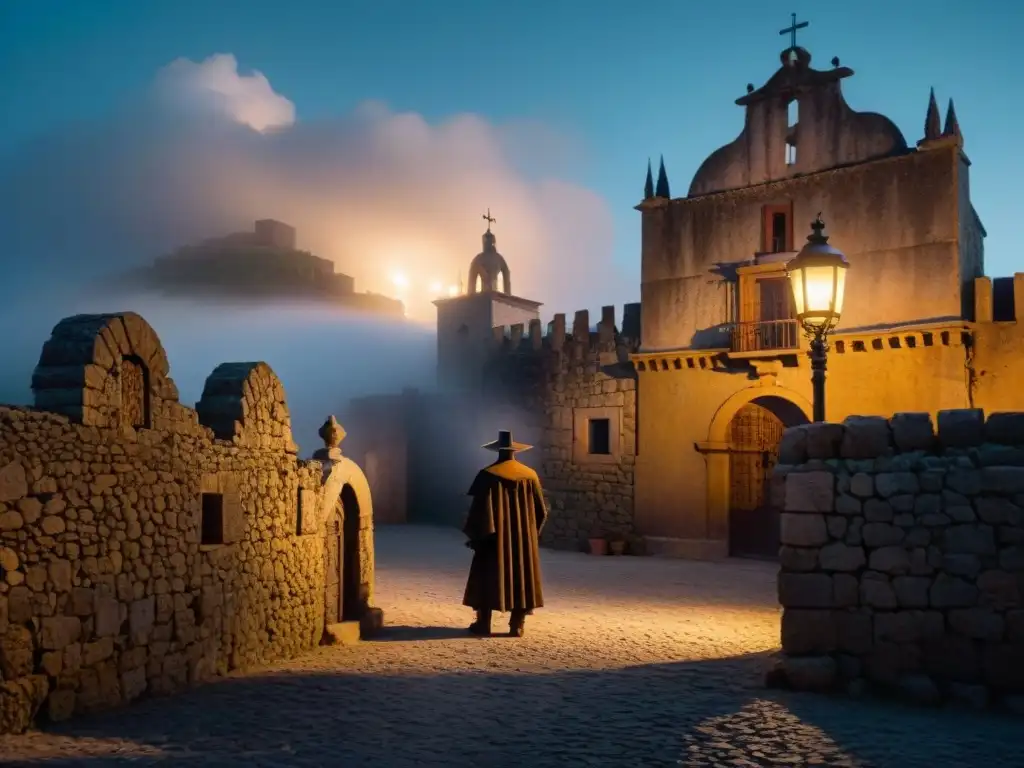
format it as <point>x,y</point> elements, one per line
<point>207,150</point>
<point>216,84</point>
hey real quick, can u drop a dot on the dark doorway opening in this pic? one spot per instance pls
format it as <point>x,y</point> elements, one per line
<point>754,436</point>
<point>351,607</point>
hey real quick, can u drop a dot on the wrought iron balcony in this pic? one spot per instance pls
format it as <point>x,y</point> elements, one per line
<point>765,336</point>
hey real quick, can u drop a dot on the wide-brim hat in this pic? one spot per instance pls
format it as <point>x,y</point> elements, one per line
<point>506,443</point>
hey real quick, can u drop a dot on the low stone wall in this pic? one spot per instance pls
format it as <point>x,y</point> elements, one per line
<point>146,546</point>
<point>902,558</point>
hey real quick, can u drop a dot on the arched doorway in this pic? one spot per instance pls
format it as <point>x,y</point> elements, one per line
<point>753,436</point>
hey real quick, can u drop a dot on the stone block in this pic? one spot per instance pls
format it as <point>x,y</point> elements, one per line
<point>883,664</point>
<point>966,482</point>
<point>805,590</point>
<point>793,446</point>
<point>823,440</point>
<point>891,560</point>
<point>802,530</point>
<point>854,631</point>
<point>912,431</point>
<point>141,616</point>
<point>969,539</point>
<point>810,673</point>
<point>1001,667</point>
<point>865,437</point>
<point>845,590</point>
<point>1005,428</point>
<point>976,623</point>
<point>1003,480</point>
<point>841,557</point>
<point>59,631</point>
<point>13,482</point>
<point>952,592</point>
<point>108,616</point>
<point>17,653</point>
<point>807,631</point>
<point>995,510</point>
<point>882,534</point>
<point>876,591</point>
<point>999,590</point>
<point>810,492</point>
<point>848,505</point>
<point>892,483</point>
<point>911,591</point>
<point>878,511</point>
<point>862,485</point>
<point>962,427</point>
<point>798,558</point>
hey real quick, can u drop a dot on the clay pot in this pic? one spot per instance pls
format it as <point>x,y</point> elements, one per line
<point>617,547</point>
<point>598,546</point>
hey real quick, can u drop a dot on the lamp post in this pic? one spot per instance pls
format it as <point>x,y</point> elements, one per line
<point>818,278</point>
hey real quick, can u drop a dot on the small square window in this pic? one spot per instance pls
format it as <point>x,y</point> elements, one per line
<point>599,436</point>
<point>212,531</point>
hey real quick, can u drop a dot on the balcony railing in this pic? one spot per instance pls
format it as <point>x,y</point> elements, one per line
<point>765,335</point>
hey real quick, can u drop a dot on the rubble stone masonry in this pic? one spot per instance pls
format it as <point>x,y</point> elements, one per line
<point>146,546</point>
<point>902,558</point>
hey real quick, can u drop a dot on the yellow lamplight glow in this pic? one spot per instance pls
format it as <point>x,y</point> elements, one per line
<point>399,280</point>
<point>435,288</point>
<point>453,290</point>
<point>818,279</point>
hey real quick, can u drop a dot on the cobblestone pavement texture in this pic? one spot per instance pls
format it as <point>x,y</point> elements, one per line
<point>633,662</point>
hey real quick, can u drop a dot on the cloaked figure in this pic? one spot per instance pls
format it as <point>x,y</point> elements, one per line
<point>503,528</point>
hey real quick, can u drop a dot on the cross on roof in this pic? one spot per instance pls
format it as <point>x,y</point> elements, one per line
<point>489,219</point>
<point>792,28</point>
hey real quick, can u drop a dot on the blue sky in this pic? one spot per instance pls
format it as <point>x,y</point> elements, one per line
<point>623,80</point>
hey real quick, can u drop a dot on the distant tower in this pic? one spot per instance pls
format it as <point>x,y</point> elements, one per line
<point>465,321</point>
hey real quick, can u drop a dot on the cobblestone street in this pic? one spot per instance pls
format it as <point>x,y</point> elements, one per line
<point>634,662</point>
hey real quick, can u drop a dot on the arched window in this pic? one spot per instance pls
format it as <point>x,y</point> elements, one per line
<point>501,282</point>
<point>479,287</point>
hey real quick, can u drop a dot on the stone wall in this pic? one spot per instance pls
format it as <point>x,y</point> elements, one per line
<point>146,546</point>
<point>564,380</point>
<point>902,558</point>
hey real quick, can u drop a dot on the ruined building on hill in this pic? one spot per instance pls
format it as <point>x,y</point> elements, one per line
<point>263,265</point>
<point>662,424</point>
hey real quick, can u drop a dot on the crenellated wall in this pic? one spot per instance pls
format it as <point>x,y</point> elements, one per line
<point>902,559</point>
<point>146,546</point>
<point>544,387</point>
<point>567,380</point>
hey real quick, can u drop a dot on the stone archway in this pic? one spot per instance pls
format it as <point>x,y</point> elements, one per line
<point>742,445</point>
<point>346,498</point>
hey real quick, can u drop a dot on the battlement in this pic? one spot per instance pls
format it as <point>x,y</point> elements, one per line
<point>606,336</point>
<point>999,299</point>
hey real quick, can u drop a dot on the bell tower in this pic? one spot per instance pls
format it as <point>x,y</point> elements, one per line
<point>465,321</point>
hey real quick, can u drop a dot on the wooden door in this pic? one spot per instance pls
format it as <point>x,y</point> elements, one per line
<point>754,436</point>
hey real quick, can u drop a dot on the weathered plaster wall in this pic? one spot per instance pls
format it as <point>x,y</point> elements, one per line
<point>903,556</point>
<point>116,579</point>
<point>687,400</point>
<point>895,219</point>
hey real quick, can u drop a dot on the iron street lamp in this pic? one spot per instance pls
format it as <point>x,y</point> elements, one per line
<point>818,278</point>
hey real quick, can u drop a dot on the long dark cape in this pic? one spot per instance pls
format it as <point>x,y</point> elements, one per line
<point>504,526</point>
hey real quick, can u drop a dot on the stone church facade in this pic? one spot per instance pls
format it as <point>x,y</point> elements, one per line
<point>665,427</point>
<point>146,546</point>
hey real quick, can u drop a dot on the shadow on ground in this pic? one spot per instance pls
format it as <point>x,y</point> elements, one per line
<point>418,634</point>
<point>694,713</point>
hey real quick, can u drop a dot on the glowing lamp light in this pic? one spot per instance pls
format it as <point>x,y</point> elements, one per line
<point>818,278</point>
<point>400,281</point>
<point>453,290</point>
<point>435,288</point>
